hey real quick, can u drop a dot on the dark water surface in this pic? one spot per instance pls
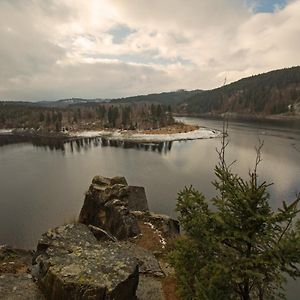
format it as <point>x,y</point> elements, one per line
<point>42,186</point>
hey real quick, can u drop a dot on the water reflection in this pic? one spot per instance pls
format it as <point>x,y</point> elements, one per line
<point>50,143</point>
<point>161,147</point>
<point>83,144</point>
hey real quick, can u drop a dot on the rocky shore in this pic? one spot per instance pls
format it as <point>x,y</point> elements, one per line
<point>115,251</point>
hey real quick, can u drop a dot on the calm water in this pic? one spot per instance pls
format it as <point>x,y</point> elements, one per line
<point>41,187</point>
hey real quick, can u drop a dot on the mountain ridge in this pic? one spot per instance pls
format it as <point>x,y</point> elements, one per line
<point>272,93</point>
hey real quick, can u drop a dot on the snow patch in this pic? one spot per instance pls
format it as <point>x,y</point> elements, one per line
<point>86,134</point>
<point>161,238</point>
<point>5,131</point>
<point>201,133</point>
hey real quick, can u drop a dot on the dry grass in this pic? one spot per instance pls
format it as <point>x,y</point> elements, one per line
<point>169,288</point>
<point>175,128</point>
<point>14,261</point>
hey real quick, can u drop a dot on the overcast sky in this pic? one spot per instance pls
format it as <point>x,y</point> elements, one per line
<point>54,49</point>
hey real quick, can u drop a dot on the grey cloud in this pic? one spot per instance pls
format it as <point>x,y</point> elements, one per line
<point>111,48</point>
<point>105,80</point>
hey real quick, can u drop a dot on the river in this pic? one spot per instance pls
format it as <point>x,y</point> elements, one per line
<point>42,186</point>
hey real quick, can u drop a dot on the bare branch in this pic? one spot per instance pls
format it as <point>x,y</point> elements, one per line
<point>258,159</point>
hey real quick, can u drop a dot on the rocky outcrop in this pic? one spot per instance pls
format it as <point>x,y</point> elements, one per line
<point>71,264</point>
<point>111,254</point>
<point>108,203</point>
<point>115,207</point>
<point>112,208</point>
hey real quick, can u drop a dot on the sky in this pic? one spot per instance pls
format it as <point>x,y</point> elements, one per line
<point>58,49</point>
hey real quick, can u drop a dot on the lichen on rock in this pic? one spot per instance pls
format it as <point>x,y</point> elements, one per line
<point>71,264</point>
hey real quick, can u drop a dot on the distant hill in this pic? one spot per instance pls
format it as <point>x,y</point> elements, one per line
<point>273,93</point>
<point>68,102</point>
<point>166,98</point>
<point>63,103</point>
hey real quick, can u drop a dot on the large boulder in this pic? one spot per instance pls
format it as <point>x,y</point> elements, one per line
<point>71,264</point>
<point>136,198</point>
<point>108,205</point>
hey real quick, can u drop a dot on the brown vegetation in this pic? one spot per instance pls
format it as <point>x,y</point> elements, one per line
<point>169,288</point>
<point>14,261</point>
<point>171,129</point>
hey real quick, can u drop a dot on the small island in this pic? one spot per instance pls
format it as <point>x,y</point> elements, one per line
<point>138,122</point>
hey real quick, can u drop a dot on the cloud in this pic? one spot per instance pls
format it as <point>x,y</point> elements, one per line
<point>113,48</point>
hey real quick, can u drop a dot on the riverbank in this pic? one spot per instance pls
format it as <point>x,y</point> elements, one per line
<point>175,132</point>
<point>170,133</point>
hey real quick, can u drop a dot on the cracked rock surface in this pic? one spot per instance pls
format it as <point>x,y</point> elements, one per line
<point>71,264</point>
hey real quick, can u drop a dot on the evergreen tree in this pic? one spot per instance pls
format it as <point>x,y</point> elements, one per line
<point>41,117</point>
<point>57,126</point>
<point>48,118</point>
<point>115,116</point>
<point>110,115</point>
<point>158,111</point>
<point>235,247</point>
<point>60,116</point>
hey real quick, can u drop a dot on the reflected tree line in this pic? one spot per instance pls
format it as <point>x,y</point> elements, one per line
<point>84,144</point>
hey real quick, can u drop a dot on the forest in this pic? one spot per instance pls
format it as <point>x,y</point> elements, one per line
<point>85,116</point>
<point>275,92</point>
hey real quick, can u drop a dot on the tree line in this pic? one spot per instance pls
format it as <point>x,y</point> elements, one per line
<point>93,116</point>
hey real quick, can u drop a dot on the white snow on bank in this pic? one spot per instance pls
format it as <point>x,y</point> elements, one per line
<point>86,133</point>
<point>201,133</point>
<point>5,131</point>
<point>161,239</point>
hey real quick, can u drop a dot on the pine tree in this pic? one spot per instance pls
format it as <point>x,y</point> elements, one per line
<point>41,117</point>
<point>235,246</point>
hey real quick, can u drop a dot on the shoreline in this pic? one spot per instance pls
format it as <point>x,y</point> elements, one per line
<point>127,136</point>
<point>278,120</point>
<point>166,134</point>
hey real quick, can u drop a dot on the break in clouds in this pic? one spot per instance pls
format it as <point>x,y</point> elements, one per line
<point>112,48</point>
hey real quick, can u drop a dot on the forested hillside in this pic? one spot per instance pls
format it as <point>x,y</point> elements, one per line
<point>166,98</point>
<point>275,92</point>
